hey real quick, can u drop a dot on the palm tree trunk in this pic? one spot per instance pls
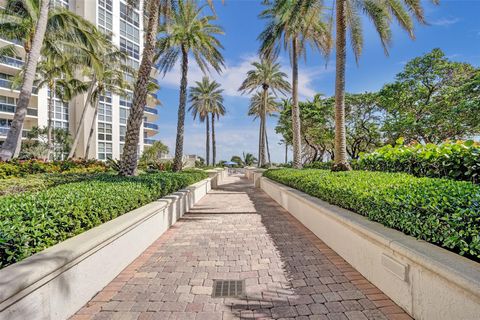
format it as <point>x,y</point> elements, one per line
<point>177,162</point>
<point>207,142</point>
<point>341,163</point>
<point>286,153</point>
<point>128,162</point>
<point>214,143</point>
<point>266,142</point>
<point>297,139</point>
<point>92,130</point>
<point>263,157</point>
<point>49,122</point>
<point>11,146</point>
<point>73,148</point>
<point>259,164</point>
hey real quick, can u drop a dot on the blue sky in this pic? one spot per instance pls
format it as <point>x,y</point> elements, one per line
<point>454,26</point>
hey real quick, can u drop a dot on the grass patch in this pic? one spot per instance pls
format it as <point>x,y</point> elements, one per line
<point>440,211</point>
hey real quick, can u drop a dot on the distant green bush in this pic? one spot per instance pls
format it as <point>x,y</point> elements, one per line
<point>34,221</point>
<point>20,168</point>
<point>440,211</point>
<point>453,160</point>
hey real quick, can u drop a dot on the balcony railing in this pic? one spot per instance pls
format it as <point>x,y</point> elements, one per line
<point>4,83</point>
<point>148,141</point>
<point>151,110</point>
<point>154,95</point>
<point>10,108</point>
<point>17,63</point>
<point>150,125</point>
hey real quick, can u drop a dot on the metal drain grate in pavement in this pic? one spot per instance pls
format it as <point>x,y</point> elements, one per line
<point>228,288</point>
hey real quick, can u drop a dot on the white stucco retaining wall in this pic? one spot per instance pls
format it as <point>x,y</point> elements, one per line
<point>55,283</point>
<point>428,282</point>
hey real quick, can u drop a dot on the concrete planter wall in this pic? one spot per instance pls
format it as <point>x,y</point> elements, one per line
<point>427,281</point>
<point>55,283</point>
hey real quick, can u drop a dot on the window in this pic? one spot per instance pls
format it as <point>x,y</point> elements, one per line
<point>104,150</point>
<point>60,114</point>
<point>105,16</point>
<point>123,115</point>
<point>61,3</point>
<point>104,131</point>
<point>123,132</point>
<point>130,32</point>
<point>130,48</point>
<point>104,112</point>
<point>129,15</point>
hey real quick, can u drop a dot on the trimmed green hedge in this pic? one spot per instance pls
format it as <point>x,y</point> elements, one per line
<point>454,160</point>
<point>21,168</point>
<point>33,221</point>
<point>440,211</point>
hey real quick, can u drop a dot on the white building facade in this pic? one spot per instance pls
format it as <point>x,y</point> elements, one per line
<point>125,29</point>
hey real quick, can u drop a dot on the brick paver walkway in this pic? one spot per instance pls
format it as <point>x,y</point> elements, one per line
<point>238,232</point>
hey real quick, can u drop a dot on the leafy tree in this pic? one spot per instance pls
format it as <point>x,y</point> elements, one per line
<point>433,99</point>
<point>266,75</point>
<point>238,160</point>
<point>292,25</point>
<point>348,17</point>
<point>37,146</point>
<point>41,31</point>
<point>188,32</point>
<point>153,153</point>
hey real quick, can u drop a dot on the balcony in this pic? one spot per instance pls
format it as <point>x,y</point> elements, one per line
<point>16,63</point>
<point>148,141</point>
<point>4,83</point>
<point>151,110</point>
<point>149,125</point>
<point>154,95</point>
<point>10,108</point>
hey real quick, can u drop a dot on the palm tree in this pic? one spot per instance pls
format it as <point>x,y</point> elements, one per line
<point>107,66</point>
<point>188,32</point>
<point>348,17</point>
<point>205,98</point>
<point>267,76</point>
<point>293,24</point>
<point>38,27</point>
<point>216,111</point>
<point>56,75</point>
<point>249,159</point>
<point>259,108</point>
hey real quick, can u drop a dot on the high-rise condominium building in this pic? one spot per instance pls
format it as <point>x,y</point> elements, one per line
<point>125,29</point>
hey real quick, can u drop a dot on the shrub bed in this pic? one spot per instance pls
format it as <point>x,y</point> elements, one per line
<point>20,168</point>
<point>453,160</point>
<point>441,211</point>
<point>33,221</point>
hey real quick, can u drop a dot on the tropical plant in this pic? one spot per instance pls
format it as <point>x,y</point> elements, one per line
<point>41,30</point>
<point>292,25</point>
<point>259,108</point>
<point>348,17</point>
<point>188,32</point>
<point>38,146</point>
<point>205,99</point>
<point>249,159</point>
<point>266,75</point>
<point>153,154</point>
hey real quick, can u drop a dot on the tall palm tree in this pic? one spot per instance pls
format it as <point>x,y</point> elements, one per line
<point>217,110</point>
<point>266,75</point>
<point>259,108</point>
<point>188,32</point>
<point>38,26</point>
<point>348,17</point>
<point>292,25</point>
<point>205,98</point>
<point>56,75</point>
<point>106,67</point>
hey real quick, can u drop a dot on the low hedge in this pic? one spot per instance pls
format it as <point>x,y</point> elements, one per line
<point>441,211</point>
<point>21,168</point>
<point>33,221</point>
<point>453,160</point>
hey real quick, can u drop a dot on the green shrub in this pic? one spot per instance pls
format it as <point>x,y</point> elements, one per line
<point>33,221</point>
<point>453,160</point>
<point>440,211</point>
<point>20,168</point>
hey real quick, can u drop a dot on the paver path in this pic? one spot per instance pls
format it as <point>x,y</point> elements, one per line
<point>238,232</point>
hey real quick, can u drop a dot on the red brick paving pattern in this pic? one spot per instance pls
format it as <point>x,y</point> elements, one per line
<point>238,232</point>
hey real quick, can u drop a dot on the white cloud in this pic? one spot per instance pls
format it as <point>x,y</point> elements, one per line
<point>234,74</point>
<point>445,22</point>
